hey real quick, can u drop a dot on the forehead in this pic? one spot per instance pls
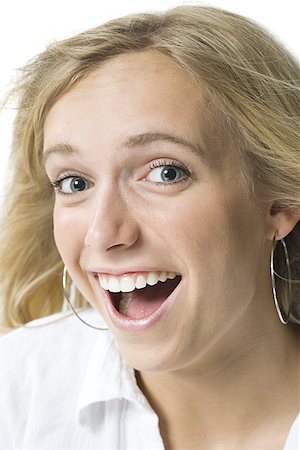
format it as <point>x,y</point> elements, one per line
<point>134,93</point>
<point>145,81</point>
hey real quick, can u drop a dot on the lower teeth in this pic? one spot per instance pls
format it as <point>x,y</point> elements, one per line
<point>124,303</point>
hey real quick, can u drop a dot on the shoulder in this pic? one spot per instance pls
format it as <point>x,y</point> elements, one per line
<point>42,365</point>
<point>46,330</point>
<point>45,343</point>
<point>49,327</point>
<point>293,439</point>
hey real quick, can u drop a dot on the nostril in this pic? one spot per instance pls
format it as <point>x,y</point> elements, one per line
<point>114,246</point>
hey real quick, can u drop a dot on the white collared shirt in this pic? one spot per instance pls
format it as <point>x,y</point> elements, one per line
<point>65,386</point>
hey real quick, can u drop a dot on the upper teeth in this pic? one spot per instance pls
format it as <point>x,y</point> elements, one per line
<point>129,282</point>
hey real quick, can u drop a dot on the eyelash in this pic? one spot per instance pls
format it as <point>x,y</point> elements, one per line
<point>56,184</point>
<point>174,164</point>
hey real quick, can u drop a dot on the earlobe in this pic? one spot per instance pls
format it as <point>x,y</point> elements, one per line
<point>281,221</point>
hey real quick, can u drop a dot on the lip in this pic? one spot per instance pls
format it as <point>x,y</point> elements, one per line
<point>128,271</point>
<point>126,324</point>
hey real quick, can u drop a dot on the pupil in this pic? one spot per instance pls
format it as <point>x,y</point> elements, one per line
<point>78,184</point>
<point>169,174</point>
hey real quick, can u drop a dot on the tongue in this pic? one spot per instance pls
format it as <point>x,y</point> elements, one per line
<point>145,301</point>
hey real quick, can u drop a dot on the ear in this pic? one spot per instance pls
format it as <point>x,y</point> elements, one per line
<point>281,221</point>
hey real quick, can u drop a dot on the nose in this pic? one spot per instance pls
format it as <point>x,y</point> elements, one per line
<point>112,222</point>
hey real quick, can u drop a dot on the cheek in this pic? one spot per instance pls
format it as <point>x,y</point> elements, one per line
<point>221,246</point>
<point>219,234</point>
<point>68,233</point>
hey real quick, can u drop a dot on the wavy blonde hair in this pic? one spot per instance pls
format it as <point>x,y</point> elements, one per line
<point>253,82</point>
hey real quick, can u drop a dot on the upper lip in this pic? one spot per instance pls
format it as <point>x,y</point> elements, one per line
<point>117,272</point>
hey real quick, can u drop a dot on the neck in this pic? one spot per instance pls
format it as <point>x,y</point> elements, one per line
<point>248,379</point>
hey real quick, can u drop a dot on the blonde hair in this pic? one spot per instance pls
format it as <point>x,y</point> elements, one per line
<point>253,82</point>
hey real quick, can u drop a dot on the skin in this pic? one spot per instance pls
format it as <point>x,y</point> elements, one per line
<point>220,370</point>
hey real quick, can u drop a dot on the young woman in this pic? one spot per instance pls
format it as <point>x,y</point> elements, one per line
<point>156,185</point>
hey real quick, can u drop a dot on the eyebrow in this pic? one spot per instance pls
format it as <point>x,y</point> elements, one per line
<point>134,141</point>
<point>59,149</point>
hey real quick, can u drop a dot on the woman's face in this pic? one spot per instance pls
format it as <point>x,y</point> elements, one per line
<point>152,184</point>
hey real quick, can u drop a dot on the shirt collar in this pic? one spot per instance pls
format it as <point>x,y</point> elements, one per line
<point>107,377</point>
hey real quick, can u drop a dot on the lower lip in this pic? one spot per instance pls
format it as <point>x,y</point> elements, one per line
<point>126,324</point>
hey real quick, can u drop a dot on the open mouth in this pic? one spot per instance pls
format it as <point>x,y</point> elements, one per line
<point>140,303</point>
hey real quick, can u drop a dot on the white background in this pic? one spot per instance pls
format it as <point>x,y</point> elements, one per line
<point>27,26</point>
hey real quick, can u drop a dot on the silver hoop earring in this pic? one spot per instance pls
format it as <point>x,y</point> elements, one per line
<point>66,296</point>
<point>283,316</point>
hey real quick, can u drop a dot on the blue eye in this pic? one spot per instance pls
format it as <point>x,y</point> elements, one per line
<point>167,173</point>
<point>70,184</point>
<point>73,184</point>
